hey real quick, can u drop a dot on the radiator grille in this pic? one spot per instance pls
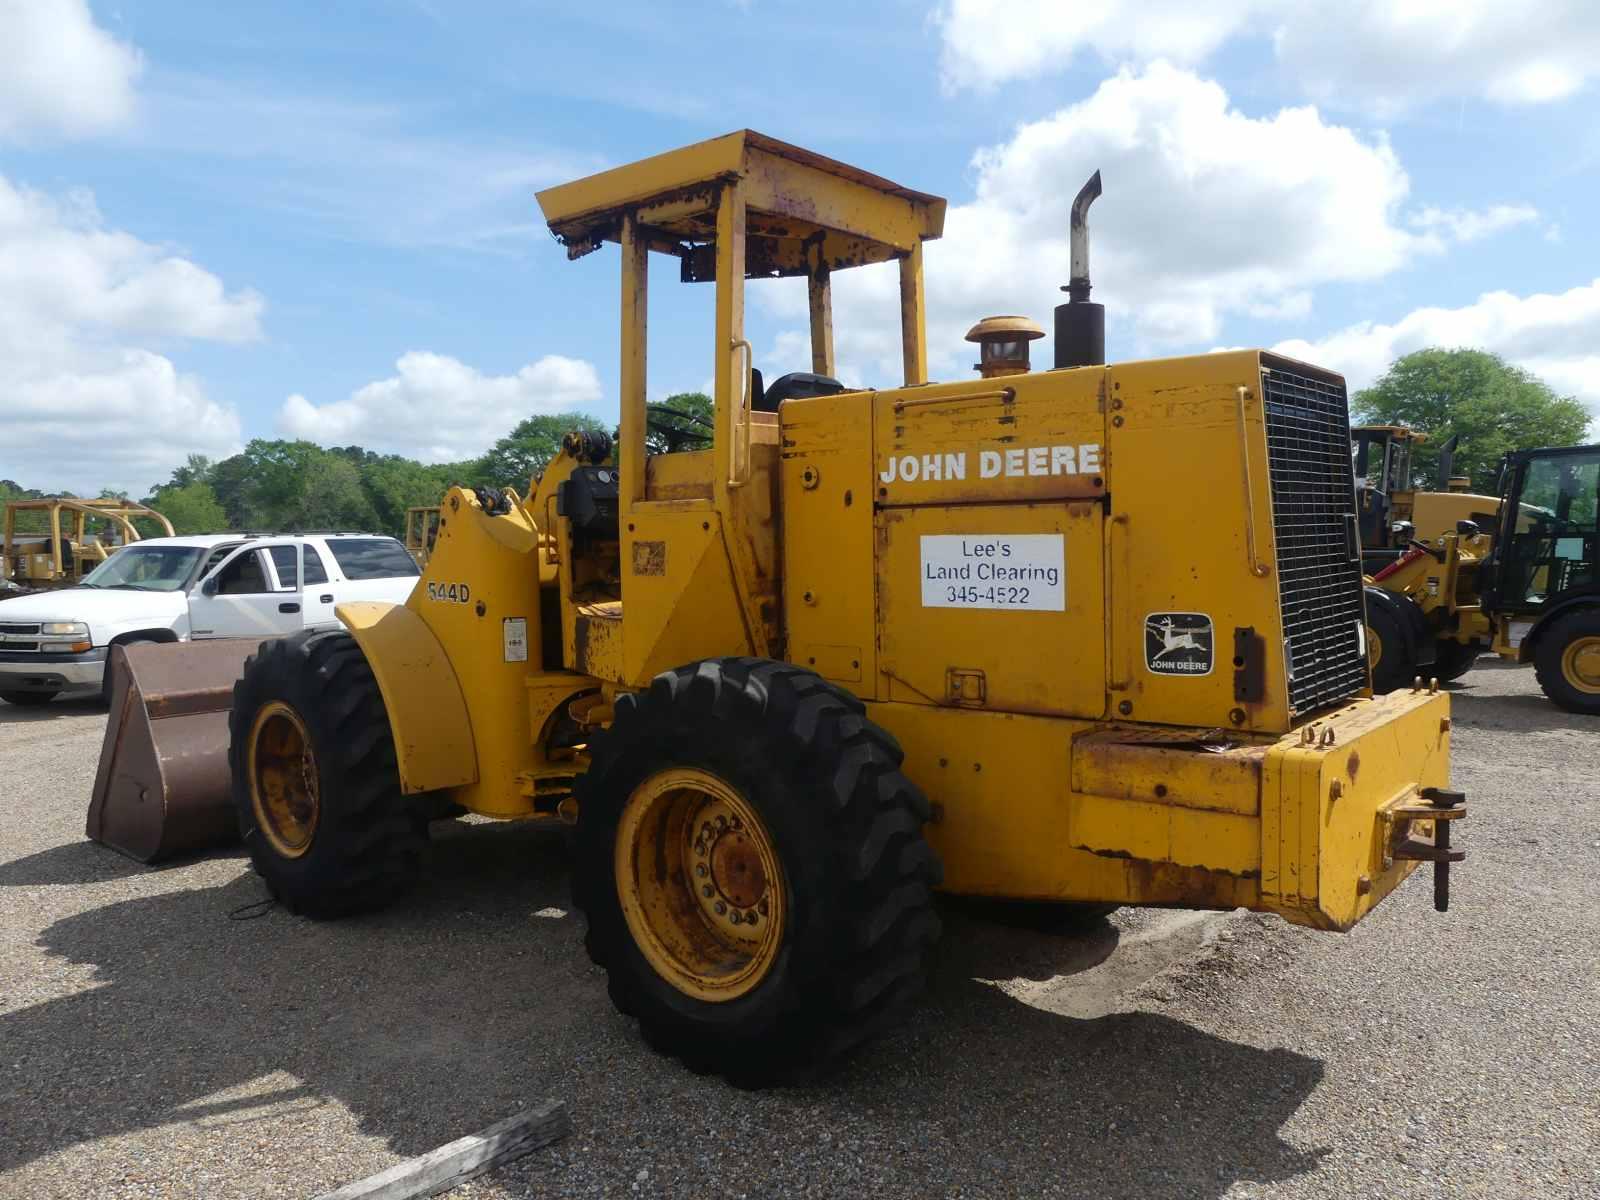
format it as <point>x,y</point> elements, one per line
<point>1313,514</point>
<point>30,630</point>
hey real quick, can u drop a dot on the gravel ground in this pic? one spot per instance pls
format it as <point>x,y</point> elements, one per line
<point>151,1046</point>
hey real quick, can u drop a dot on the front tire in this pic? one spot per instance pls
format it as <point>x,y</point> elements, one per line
<point>28,699</point>
<point>315,781</point>
<point>1567,661</point>
<point>752,866</point>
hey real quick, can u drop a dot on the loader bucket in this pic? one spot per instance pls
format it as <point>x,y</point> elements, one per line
<point>163,787</point>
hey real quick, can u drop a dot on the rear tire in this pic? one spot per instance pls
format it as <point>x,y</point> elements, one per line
<point>308,719</point>
<point>1453,659</point>
<point>28,699</point>
<point>845,928</point>
<point>1567,661</point>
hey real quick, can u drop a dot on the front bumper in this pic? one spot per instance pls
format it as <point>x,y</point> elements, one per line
<point>46,672</point>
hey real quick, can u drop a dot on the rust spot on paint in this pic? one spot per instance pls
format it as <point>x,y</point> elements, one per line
<point>1352,765</point>
<point>650,558</point>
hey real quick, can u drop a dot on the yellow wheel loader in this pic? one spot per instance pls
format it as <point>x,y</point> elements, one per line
<point>1524,584</point>
<point>858,645</point>
<point>75,536</point>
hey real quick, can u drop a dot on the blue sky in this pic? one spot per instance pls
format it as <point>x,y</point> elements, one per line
<point>317,219</point>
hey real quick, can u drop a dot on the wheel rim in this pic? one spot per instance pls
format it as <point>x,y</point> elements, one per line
<point>700,884</point>
<point>1374,649</point>
<point>283,780</point>
<point>1580,664</point>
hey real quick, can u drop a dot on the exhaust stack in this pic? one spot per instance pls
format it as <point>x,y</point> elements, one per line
<point>1081,325</point>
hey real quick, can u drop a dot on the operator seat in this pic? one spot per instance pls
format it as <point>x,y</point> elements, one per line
<point>796,385</point>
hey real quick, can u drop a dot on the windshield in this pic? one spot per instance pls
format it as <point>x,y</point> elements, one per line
<point>145,568</point>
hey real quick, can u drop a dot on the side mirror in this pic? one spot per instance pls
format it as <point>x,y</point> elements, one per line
<point>209,587</point>
<point>1467,528</point>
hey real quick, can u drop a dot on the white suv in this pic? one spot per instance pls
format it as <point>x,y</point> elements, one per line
<point>178,588</point>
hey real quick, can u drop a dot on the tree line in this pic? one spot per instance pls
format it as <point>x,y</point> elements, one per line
<point>280,486</point>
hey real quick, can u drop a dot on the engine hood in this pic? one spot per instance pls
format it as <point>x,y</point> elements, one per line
<point>95,606</point>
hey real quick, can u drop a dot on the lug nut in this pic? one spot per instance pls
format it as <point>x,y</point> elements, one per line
<point>750,917</point>
<point>735,917</point>
<point>762,908</point>
<point>722,822</point>
<point>700,870</point>
<point>721,907</point>
<point>706,891</point>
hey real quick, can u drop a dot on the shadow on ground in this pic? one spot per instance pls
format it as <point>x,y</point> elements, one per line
<point>83,862</point>
<point>56,710</point>
<point>473,998</point>
<point>1533,713</point>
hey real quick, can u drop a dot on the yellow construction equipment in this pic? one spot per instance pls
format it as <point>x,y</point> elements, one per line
<point>77,536</point>
<point>1521,578</point>
<point>1091,634</point>
<point>1393,511</point>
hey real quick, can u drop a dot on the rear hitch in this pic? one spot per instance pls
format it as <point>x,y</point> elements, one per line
<point>1441,806</point>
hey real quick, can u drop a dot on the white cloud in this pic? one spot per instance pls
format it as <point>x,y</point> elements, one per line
<point>1386,56</point>
<point>1464,225</point>
<point>1207,211</point>
<point>84,406</point>
<point>1556,336</point>
<point>61,269</point>
<point>1369,54</point>
<point>119,418</point>
<point>63,74</point>
<point>438,409</point>
<point>990,41</point>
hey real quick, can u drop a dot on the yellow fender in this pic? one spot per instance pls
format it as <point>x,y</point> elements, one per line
<point>427,710</point>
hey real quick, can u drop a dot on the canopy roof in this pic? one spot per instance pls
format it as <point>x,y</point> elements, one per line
<point>798,206</point>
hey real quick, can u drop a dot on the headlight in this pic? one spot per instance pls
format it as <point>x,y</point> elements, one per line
<point>64,629</point>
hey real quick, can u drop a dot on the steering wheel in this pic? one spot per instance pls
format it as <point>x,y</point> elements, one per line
<point>676,435</point>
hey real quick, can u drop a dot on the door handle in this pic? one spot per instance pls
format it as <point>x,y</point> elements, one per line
<point>325,598</point>
<point>289,607</point>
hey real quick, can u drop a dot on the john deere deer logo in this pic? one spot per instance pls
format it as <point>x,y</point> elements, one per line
<point>1178,643</point>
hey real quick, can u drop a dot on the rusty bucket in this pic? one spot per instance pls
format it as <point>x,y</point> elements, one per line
<point>162,787</point>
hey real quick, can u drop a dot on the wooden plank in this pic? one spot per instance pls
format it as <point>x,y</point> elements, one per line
<point>463,1159</point>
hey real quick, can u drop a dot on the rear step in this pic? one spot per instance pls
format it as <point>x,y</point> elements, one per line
<point>163,786</point>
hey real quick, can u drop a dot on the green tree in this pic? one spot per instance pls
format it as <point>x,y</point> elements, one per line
<point>393,484</point>
<point>196,469</point>
<point>230,481</point>
<point>26,522</point>
<point>192,508</point>
<point>669,430</point>
<point>1492,405</point>
<point>524,453</point>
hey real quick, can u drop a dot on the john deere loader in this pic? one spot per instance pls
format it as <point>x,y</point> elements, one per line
<point>1091,634</point>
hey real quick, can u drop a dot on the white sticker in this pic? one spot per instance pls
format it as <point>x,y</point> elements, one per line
<point>514,630</point>
<point>984,570</point>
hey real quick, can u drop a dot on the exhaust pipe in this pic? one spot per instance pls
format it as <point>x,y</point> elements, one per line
<point>1447,461</point>
<point>1080,325</point>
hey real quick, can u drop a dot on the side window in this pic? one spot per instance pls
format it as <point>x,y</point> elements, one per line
<point>244,576</point>
<point>286,560</point>
<point>372,558</point>
<point>216,556</point>
<point>315,571</point>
